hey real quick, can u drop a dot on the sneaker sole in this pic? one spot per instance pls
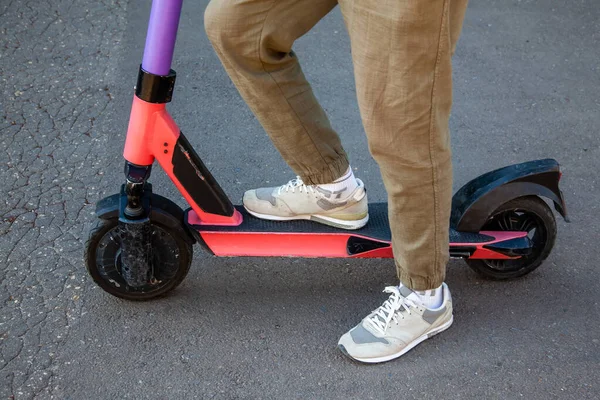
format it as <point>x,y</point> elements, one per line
<point>322,219</point>
<point>405,350</point>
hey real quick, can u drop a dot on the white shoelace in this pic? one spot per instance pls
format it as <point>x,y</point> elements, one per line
<point>295,184</point>
<point>388,311</point>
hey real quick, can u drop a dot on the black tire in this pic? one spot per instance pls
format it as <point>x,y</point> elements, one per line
<point>170,267</point>
<point>528,213</point>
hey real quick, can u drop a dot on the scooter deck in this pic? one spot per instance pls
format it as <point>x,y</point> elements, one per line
<point>304,238</point>
<point>377,228</point>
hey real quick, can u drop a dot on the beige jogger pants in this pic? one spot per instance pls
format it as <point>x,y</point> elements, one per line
<point>401,51</point>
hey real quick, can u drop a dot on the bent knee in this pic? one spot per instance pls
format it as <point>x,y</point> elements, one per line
<point>227,23</point>
<point>215,15</point>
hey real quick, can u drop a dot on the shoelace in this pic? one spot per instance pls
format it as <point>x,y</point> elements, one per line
<point>295,184</point>
<point>389,310</point>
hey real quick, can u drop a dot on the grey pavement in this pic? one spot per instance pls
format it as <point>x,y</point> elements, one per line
<point>527,78</point>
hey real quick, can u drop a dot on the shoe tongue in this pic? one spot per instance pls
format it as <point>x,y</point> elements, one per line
<point>404,291</point>
<point>409,294</point>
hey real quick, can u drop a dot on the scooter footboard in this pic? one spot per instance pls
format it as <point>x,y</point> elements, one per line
<point>302,238</point>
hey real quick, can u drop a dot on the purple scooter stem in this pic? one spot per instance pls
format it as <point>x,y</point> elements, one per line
<point>162,33</point>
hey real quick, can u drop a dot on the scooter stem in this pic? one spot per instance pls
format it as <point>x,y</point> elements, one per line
<point>161,36</point>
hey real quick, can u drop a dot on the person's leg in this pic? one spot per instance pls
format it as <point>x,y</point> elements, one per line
<point>402,60</point>
<point>253,39</point>
<point>402,51</point>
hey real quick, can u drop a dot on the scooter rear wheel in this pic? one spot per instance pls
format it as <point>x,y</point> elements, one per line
<point>529,214</point>
<point>171,259</point>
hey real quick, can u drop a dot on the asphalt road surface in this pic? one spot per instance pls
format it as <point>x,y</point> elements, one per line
<point>527,78</point>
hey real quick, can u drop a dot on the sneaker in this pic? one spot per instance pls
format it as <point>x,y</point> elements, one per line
<point>400,324</point>
<point>295,200</point>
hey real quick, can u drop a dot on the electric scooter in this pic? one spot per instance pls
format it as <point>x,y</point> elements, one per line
<point>141,246</point>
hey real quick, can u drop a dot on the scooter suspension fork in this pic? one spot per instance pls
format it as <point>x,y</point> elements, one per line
<point>135,229</point>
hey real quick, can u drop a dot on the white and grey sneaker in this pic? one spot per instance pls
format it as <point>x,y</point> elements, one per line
<point>401,323</point>
<point>341,208</point>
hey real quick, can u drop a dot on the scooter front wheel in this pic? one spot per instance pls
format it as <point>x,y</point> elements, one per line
<point>171,260</point>
<point>530,214</point>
